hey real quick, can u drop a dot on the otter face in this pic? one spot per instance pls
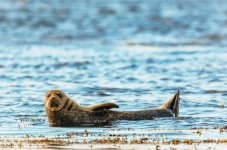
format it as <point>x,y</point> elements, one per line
<point>55,100</point>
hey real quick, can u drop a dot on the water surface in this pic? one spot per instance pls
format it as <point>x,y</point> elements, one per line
<point>134,54</point>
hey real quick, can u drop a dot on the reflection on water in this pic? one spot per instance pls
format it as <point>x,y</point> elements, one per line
<point>133,54</point>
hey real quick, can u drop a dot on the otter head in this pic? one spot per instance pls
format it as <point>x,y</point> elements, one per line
<point>55,100</point>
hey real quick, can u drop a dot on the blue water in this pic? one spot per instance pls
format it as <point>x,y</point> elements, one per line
<point>136,54</point>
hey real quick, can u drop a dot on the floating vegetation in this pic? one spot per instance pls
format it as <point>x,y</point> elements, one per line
<point>125,136</point>
<point>42,142</point>
<point>31,119</point>
<point>26,122</point>
<point>222,106</point>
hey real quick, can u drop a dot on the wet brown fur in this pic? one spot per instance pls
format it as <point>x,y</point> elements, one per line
<point>63,111</point>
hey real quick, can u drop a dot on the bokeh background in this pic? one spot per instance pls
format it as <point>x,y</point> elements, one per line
<point>134,53</point>
<point>149,22</point>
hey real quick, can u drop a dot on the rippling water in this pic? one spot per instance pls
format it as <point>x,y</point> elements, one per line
<point>134,54</point>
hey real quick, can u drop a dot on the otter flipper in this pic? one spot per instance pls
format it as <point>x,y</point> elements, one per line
<point>103,106</point>
<point>173,103</point>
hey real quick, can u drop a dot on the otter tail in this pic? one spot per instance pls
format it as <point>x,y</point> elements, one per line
<point>173,103</point>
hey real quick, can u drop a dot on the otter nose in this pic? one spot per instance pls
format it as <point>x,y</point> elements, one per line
<point>54,102</point>
<point>54,98</point>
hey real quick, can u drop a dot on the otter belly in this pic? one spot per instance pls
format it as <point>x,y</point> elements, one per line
<point>74,118</point>
<point>99,118</point>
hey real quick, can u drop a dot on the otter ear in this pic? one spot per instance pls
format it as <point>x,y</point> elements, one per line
<point>103,106</point>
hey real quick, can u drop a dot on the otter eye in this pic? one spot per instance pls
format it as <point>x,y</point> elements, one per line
<point>59,95</point>
<point>48,95</point>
